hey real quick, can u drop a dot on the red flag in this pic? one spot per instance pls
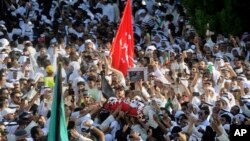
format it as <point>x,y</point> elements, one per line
<point>122,50</point>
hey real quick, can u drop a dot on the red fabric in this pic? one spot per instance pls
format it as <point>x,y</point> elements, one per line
<point>122,50</point>
<point>112,105</point>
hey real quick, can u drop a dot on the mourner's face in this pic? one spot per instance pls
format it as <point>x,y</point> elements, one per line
<point>235,110</point>
<point>17,98</point>
<point>3,133</point>
<point>43,52</point>
<point>10,116</point>
<point>202,65</point>
<point>120,92</point>
<point>216,48</point>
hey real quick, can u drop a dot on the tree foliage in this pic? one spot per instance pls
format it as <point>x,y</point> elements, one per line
<point>223,16</point>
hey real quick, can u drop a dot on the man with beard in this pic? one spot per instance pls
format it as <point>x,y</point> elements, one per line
<point>202,66</point>
<point>9,120</point>
<point>15,100</point>
<point>238,65</point>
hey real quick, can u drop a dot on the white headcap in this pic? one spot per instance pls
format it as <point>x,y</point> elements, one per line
<point>4,42</point>
<point>7,111</point>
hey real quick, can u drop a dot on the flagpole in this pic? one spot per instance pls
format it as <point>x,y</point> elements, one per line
<point>59,94</point>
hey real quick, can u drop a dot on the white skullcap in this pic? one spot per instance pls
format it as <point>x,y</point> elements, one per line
<point>211,89</point>
<point>22,59</point>
<point>245,98</point>
<point>190,50</point>
<point>9,85</point>
<point>207,45</point>
<point>6,111</point>
<point>175,46</point>
<point>225,99</point>
<point>84,121</point>
<point>52,41</point>
<point>158,102</point>
<point>151,47</point>
<point>178,113</point>
<point>193,47</point>
<point>88,41</point>
<point>246,84</point>
<point>4,42</point>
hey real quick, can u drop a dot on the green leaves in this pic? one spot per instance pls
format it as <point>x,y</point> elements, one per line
<point>224,16</point>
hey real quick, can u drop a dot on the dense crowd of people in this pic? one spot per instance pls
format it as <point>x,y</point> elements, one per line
<point>195,88</point>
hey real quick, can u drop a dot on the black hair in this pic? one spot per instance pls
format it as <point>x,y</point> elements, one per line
<point>209,134</point>
<point>14,92</point>
<point>80,83</point>
<point>1,90</point>
<point>2,99</point>
<point>228,118</point>
<point>184,104</point>
<point>206,110</point>
<point>33,132</point>
<point>92,78</point>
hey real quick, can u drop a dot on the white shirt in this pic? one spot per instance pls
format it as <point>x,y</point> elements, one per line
<point>108,10</point>
<point>150,113</point>
<point>27,30</point>
<point>140,130</point>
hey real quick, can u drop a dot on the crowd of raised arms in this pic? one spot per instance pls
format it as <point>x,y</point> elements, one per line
<point>195,87</point>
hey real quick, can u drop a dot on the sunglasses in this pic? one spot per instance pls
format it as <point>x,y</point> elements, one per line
<point>19,97</point>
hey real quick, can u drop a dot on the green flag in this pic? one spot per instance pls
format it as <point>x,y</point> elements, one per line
<point>58,127</point>
<point>166,58</point>
<point>210,68</point>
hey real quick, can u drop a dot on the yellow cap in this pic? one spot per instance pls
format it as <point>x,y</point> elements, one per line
<point>49,69</point>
